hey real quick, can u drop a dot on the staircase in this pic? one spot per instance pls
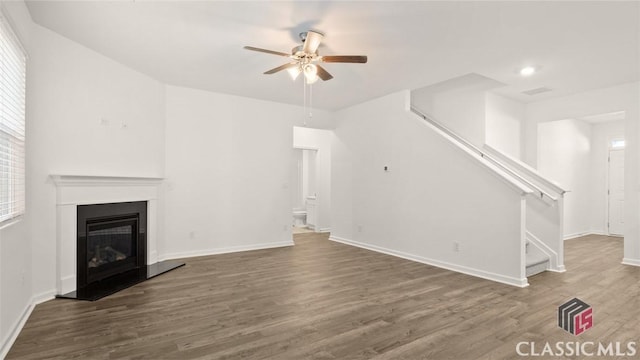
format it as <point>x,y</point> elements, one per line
<point>544,204</point>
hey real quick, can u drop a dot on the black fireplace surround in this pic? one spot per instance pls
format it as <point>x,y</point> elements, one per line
<point>112,250</point>
<point>111,240</point>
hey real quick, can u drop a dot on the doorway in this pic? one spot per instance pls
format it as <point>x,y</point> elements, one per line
<point>586,156</point>
<point>304,193</point>
<point>316,144</point>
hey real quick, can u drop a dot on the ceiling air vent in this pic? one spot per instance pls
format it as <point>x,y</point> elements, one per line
<point>536,91</point>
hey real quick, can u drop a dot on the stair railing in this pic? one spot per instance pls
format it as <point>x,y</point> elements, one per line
<point>540,192</point>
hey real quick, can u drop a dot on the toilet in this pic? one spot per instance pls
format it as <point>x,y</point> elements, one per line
<point>299,218</point>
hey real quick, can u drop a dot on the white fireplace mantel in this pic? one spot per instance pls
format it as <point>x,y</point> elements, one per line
<point>80,180</point>
<point>74,190</point>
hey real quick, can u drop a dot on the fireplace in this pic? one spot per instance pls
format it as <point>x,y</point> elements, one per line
<point>111,245</point>
<point>111,240</point>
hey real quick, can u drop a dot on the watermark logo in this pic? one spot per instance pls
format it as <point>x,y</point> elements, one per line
<point>575,316</point>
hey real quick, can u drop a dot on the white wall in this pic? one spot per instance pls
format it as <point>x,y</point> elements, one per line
<point>459,104</point>
<point>504,124</point>
<point>227,184</point>
<point>304,137</point>
<point>15,280</point>
<point>309,173</point>
<point>296,181</point>
<point>632,177</point>
<point>624,97</point>
<point>564,154</point>
<point>461,110</point>
<point>429,198</point>
<point>601,136</point>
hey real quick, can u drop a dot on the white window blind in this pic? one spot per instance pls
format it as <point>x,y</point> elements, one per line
<point>12,123</point>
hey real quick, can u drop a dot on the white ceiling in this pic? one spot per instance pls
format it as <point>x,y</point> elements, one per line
<point>577,45</point>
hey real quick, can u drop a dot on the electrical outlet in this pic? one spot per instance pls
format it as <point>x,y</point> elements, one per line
<point>285,227</point>
<point>192,235</point>
<point>359,228</point>
<point>456,246</point>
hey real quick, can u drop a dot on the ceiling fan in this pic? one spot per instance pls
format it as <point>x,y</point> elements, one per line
<point>304,58</point>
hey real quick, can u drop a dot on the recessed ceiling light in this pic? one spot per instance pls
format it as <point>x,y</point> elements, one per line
<point>527,71</point>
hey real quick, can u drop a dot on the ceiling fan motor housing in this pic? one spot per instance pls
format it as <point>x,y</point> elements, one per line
<point>303,35</point>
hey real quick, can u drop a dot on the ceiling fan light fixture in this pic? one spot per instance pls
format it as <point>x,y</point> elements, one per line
<point>294,72</point>
<point>311,80</point>
<point>311,73</point>
<point>527,71</point>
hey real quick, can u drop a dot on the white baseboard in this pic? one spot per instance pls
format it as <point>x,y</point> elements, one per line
<point>324,230</point>
<point>19,324</point>
<point>44,296</point>
<point>15,330</point>
<point>633,262</point>
<point>559,269</point>
<point>437,263</point>
<point>68,284</point>
<point>224,250</point>
<point>152,257</point>
<point>575,235</point>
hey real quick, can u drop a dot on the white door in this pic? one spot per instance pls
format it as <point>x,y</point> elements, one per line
<point>616,192</point>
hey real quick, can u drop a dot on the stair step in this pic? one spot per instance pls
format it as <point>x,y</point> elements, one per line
<point>537,269</point>
<point>536,264</point>
<point>533,259</point>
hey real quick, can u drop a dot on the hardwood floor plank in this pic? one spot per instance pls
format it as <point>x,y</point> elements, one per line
<point>325,300</point>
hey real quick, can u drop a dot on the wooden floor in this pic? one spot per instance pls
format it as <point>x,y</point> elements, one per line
<point>324,300</point>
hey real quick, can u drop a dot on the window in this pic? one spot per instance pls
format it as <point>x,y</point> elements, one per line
<point>617,144</point>
<point>12,123</point>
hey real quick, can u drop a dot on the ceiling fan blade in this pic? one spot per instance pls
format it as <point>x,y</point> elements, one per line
<point>312,42</point>
<point>267,51</point>
<point>323,74</point>
<point>361,59</point>
<point>280,68</point>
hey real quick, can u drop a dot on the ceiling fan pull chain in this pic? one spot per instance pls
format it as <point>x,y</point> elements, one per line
<point>310,102</point>
<point>304,108</point>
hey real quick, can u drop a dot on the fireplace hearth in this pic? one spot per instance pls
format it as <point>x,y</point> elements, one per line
<point>112,249</point>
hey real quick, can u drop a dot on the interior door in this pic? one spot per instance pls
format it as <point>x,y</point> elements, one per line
<point>616,192</point>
